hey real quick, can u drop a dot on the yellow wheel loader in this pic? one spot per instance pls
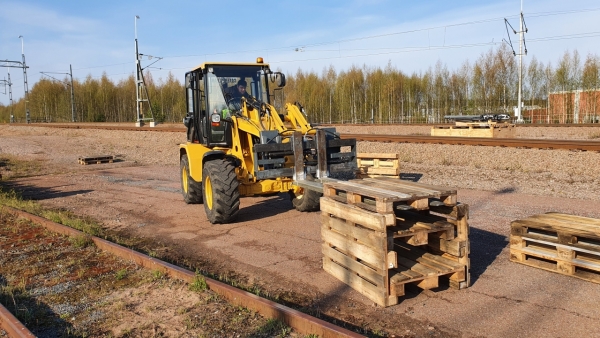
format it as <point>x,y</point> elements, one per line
<point>238,144</point>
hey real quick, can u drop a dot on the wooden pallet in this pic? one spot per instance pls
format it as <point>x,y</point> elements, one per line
<point>566,244</point>
<point>376,164</point>
<point>377,248</point>
<point>384,194</point>
<point>96,159</point>
<point>493,130</point>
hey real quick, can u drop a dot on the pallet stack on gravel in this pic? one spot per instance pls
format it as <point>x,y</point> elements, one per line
<point>567,244</point>
<point>377,164</point>
<point>380,234</point>
<point>476,129</point>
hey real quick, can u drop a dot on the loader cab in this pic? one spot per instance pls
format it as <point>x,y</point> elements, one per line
<point>213,96</point>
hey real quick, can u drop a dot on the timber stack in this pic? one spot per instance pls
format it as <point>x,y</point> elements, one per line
<point>382,233</point>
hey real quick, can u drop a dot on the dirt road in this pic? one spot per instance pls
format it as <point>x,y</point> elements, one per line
<point>277,250</point>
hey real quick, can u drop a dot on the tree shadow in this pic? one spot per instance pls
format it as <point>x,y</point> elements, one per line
<point>30,192</point>
<point>37,316</point>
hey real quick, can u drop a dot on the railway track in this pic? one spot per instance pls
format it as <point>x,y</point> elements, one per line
<point>300,322</point>
<point>474,141</point>
<point>481,141</point>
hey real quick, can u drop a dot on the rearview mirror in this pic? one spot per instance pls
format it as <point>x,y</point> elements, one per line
<point>278,79</point>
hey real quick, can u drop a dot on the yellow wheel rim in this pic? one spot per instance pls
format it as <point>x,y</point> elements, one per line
<point>184,179</point>
<point>209,193</point>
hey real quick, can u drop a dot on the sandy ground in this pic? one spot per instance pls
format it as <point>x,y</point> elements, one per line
<point>278,248</point>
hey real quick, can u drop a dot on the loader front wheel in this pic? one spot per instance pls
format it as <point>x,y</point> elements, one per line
<point>191,190</point>
<point>220,187</point>
<point>306,200</point>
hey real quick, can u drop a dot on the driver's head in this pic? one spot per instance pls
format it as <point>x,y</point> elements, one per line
<point>241,85</point>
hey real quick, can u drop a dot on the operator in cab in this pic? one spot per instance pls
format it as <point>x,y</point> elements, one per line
<point>239,90</point>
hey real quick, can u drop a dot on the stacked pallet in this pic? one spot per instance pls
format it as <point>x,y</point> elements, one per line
<point>376,164</point>
<point>476,129</point>
<point>380,234</point>
<point>566,244</point>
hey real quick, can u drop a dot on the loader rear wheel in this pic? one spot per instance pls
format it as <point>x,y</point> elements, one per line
<point>306,200</point>
<point>191,190</point>
<point>220,187</point>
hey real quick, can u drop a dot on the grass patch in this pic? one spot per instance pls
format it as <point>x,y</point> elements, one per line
<point>13,167</point>
<point>199,283</point>
<point>594,136</point>
<point>275,327</point>
<point>121,274</point>
<point>81,241</point>
<point>13,199</point>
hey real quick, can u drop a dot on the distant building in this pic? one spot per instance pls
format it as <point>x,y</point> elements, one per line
<point>577,106</point>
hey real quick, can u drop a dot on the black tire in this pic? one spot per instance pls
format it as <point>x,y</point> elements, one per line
<point>190,189</point>
<point>220,188</point>
<point>307,200</point>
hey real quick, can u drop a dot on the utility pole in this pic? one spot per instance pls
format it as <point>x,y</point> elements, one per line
<point>520,105</point>
<point>27,115</point>
<point>138,80</point>
<point>10,99</point>
<point>72,94</point>
<point>140,84</point>
<point>7,82</point>
<point>522,51</point>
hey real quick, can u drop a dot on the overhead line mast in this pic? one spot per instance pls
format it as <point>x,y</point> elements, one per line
<point>522,51</point>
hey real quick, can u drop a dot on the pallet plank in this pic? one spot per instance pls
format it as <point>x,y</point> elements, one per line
<point>349,263</point>
<point>377,295</point>
<point>356,215</point>
<point>369,255</point>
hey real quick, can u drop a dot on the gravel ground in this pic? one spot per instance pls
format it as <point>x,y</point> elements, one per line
<point>563,173</point>
<point>559,133</point>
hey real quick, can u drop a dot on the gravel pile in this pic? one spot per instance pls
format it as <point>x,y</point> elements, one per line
<point>561,173</point>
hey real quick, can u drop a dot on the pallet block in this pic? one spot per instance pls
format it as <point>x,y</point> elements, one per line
<point>377,240</point>
<point>562,243</point>
<point>96,159</point>
<point>376,164</point>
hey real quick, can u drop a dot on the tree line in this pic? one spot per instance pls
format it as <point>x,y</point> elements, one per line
<point>357,95</point>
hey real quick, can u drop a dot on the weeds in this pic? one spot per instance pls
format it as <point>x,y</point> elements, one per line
<point>121,274</point>
<point>157,274</point>
<point>82,241</point>
<point>275,327</point>
<point>199,283</point>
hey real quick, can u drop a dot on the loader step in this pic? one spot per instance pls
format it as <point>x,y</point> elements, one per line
<point>96,159</point>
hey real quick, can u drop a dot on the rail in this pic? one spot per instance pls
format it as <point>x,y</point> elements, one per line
<point>476,141</point>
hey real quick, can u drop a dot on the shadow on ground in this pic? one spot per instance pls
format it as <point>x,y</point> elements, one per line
<point>414,177</point>
<point>38,317</point>
<point>269,207</point>
<point>30,192</point>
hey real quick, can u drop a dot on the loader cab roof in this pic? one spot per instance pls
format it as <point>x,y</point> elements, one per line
<point>232,64</point>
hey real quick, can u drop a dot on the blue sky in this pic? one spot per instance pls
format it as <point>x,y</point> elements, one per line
<point>98,36</point>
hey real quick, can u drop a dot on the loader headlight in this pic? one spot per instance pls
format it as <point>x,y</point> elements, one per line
<point>215,120</point>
